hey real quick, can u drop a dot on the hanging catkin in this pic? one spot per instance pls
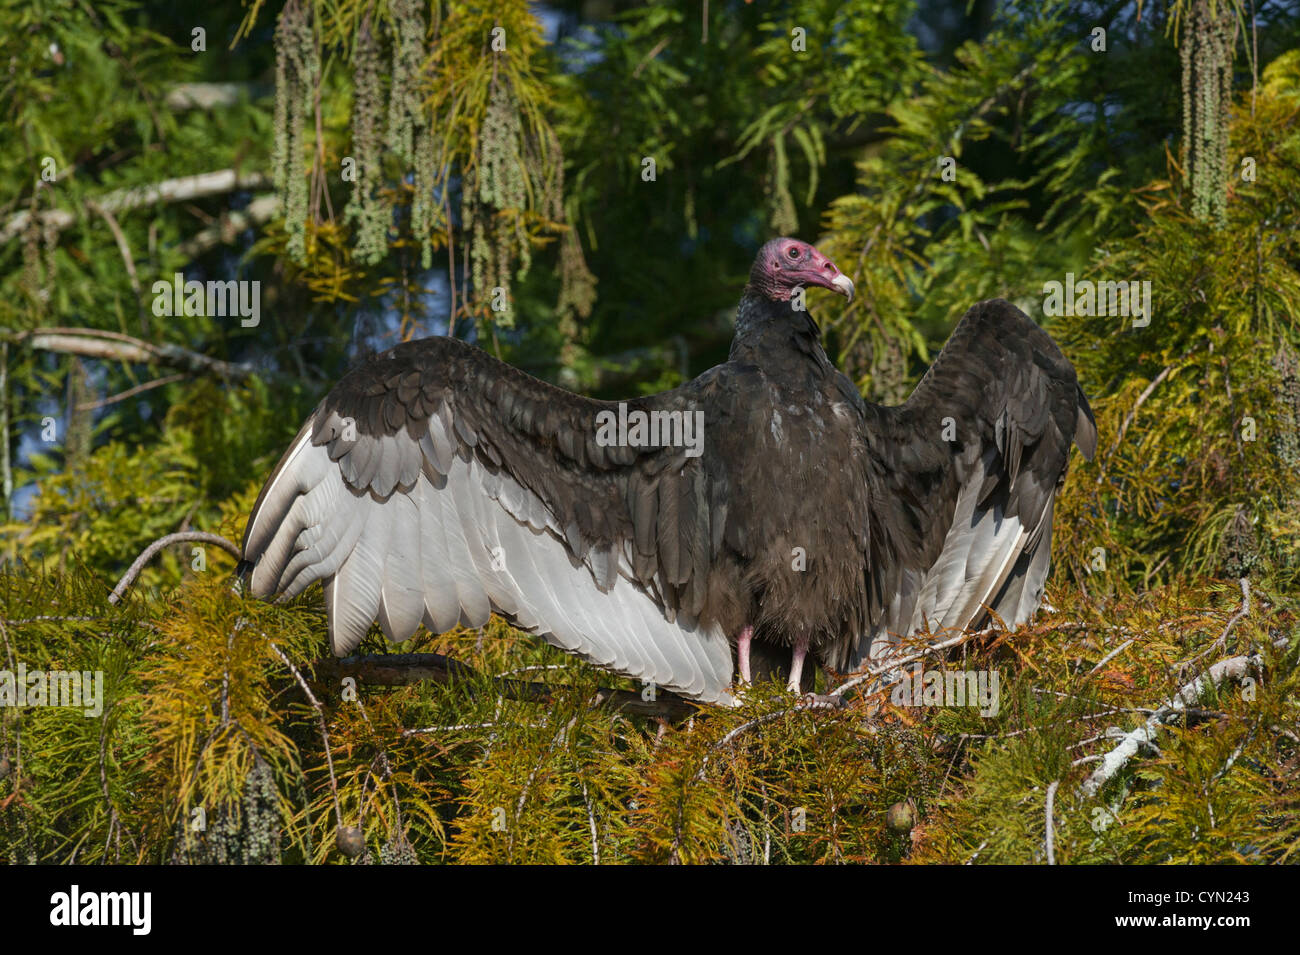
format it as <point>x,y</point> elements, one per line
<point>1286,439</point>
<point>410,134</point>
<point>296,68</point>
<point>1207,43</point>
<point>366,209</point>
<point>497,201</point>
<point>405,110</point>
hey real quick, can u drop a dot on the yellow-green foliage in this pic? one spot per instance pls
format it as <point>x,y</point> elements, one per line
<point>1222,787</point>
<point>204,712</point>
<point>118,501</point>
<point>221,736</point>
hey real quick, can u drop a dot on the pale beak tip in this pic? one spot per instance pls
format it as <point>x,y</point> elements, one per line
<point>844,285</point>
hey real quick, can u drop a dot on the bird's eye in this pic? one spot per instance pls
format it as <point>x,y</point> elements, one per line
<point>793,252</point>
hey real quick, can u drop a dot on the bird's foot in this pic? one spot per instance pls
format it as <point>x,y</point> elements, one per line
<point>795,683</point>
<point>742,655</point>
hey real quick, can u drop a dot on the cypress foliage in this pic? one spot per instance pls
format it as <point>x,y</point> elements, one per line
<point>938,179</point>
<point>210,750</point>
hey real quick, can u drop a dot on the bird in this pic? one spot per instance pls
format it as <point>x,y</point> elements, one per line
<point>760,520</point>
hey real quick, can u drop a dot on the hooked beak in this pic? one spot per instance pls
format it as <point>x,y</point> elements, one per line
<point>844,285</point>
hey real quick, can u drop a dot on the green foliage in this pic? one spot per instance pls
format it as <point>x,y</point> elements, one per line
<point>220,739</point>
<point>120,498</point>
<point>88,86</point>
<point>1220,789</point>
<point>208,748</point>
<point>968,198</point>
<point>1195,410</point>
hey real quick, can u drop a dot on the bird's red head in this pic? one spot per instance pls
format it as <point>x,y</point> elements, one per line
<point>783,265</point>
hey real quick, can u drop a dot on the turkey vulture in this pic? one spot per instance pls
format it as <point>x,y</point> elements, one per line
<point>763,506</point>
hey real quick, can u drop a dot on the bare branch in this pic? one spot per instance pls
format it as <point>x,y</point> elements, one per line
<point>186,96</point>
<point>130,392</point>
<point>892,661</point>
<point>262,209</point>
<point>122,245</point>
<point>1242,612</point>
<point>114,346</point>
<point>1051,836</point>
<point>1111,656</point>
<point>324,729</point>
<point>1234,668</point>
<point>181,189</point>
<point>1132,413</point>
<point>185,536</point>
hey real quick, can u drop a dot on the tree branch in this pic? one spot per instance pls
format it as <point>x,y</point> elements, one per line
<point>197,536</point>
<point>894,660</point>
<point>131,392</point>
<point>1051,835</point>
<point>122,246</point>
<point>262,209</point>
<point>1242,612</point>
<point>1234,668</point>
<point>324,729</point>
<point>114,346</point>
<point>403,669</point>
<point>181,189</point>
<point>185,96</point>
<point>1141,400</point>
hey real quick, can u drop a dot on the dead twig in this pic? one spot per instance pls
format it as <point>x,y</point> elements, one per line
<point>1141,400</point>
<point>1112,655</point>
<point>1242,612</point>
<point>130,392</point>
<point>324,729</point>
<point>893,662</point>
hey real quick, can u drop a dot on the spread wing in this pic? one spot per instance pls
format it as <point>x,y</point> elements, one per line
<point>436,484</point>
<point>967,470</point>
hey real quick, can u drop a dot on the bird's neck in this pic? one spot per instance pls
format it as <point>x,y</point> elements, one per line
<point>772,334</point>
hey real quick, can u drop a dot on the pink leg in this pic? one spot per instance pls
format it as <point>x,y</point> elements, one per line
<point>796,663</point>
<point>742,652</point>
